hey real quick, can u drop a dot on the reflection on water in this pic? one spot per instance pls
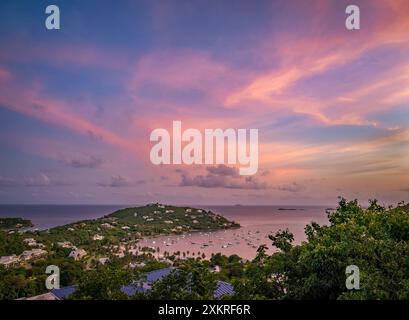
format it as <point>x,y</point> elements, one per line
<point>257,223</point>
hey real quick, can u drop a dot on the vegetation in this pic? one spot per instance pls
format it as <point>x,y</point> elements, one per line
<point>114,238</point>
<point>376,239</point>
<point>14,223</point>
<point>11,244</point>
<point>134,223</point>
<point>191,281</point>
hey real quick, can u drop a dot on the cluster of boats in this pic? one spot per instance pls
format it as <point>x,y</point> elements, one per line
<point>213,241</point>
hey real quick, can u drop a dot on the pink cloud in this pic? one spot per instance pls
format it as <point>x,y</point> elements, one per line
<point>33,103</point>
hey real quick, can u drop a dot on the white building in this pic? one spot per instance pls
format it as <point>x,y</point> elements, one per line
<point>216,269</point>
<point>103,260</point>
<point>9,260</point>
<point>77,254</point>
<point>97,237</point>
<point>65,244</point>
<point>31,254</point>
<point>30,241</point>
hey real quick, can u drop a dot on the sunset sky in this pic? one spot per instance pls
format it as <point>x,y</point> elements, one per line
<point>77,105</point>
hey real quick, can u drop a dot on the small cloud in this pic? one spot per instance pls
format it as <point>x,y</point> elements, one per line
<point>91,162</point>
<point>118,181</point>
<point>292,187</point>
<point>222,170</point>
<point>220,177</point>
<point>8,182</point>
<point>43,180</point>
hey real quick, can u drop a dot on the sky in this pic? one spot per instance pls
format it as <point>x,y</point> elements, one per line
<point>77,105</point>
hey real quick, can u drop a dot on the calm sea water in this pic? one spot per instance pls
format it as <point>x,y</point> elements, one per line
<point>48,216</point>
<point>257,223</point>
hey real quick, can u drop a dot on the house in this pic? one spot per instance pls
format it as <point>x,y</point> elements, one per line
<point>9,260</point>
<point>119,254</point>
<point>169,211</point>
<point>222,288</point>
<point>30,242</point>
<point>188,210</point>
<point>64,293</point>
<point>31,254</point>
<point>65,244</point>
<point>103,260</point>
<point>125,228</point>
<point>137,264</point>
<point>216,269</point>
<point>77,254</point>
<point>97,237</point>
<point>45,296</point>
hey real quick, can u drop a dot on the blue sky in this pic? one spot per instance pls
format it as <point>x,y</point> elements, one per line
<point>77,105</point>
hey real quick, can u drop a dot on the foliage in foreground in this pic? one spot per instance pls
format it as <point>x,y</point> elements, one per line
<point>376,239</point>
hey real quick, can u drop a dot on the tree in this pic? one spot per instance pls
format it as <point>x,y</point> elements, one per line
<point>103,284</point>
<point>375,239</point>
<point>192,280</point>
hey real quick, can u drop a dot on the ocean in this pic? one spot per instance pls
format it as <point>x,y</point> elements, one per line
<point>257,222</point>
<point>48,216</point>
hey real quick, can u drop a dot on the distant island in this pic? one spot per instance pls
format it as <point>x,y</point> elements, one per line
<point>14,223</point>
